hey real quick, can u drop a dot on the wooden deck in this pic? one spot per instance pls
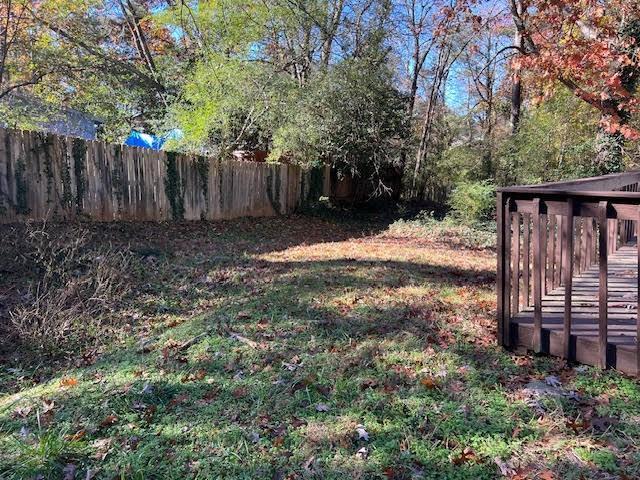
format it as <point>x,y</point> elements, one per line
<point>622,309</point>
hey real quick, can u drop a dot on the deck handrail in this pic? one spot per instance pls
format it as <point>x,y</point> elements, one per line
<point>603,182</point>
<point>549,232</point>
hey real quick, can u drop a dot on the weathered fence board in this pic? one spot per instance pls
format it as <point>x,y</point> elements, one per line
<point>48,176</point>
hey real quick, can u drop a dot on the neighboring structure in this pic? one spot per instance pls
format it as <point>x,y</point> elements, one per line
<point>60,121</point>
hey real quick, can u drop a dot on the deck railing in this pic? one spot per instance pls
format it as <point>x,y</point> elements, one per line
<point>549,233</point>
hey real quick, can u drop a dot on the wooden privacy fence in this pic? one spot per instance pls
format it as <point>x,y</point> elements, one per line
<point>568,269</point>
<point>49,176</point>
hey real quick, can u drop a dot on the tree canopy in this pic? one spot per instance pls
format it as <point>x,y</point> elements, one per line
<point>418,95</point>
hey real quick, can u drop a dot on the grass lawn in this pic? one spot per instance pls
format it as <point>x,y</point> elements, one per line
<point>308,348</point>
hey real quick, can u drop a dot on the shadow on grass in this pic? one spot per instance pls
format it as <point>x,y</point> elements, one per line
<point>368,339</point>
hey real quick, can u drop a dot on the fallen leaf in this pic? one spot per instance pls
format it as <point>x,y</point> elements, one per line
<point>322,407</point>
<point>22,412</point>
<point>239,392</point>
<point>76,436</point>
<point>362,433</point>
<point>68,382</point>
<point>108,421</point>
<point>368,383</point>
<point>389,472</point>
<point>102,447</point>
<point>429,382</point>
<point>577,425</point>
<point>177,399</point>
<point>363,453</point>
<point>505,469</point>
<point>602,424</point>
<point>467,456</point>
<point>69,472</point>
<point>553,381</point>
<point>149,412</point>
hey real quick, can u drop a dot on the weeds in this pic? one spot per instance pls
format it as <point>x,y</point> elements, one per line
<point>298,348</point>
<point>451,231</point>
<point>72,290</point>
<point>45,454</point>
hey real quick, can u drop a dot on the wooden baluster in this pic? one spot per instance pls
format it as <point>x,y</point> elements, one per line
<point>558,253</point>
<point>588,244</point>
<point>584,245</point>
<point>551,247</point>
<point>537,276</point>
<point>578,252</point>
<point>543,253</point>
<point>526,260</point>
<point>603,287</point>
<point>595,258</point>
<point>567,276</point>
<point>515,269</point>
<point>612,230</point>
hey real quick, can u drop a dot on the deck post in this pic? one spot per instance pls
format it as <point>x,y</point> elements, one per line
<point>603,284</point>
<point>567,276</point>
<point>637,297</point>
<point>503,270</point>
<point>537,277</point>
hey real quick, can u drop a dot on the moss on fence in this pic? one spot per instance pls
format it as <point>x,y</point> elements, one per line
<point>274,184</point>
<point>22,206</point>
<point>173,187</point>
<point>78,153</point>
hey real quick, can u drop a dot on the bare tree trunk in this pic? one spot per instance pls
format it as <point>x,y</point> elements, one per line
<point>329,32</point>
<point>440,74</point>
<point>516,79</point>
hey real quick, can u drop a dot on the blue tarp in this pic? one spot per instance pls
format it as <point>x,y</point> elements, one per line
<point>144,140</point>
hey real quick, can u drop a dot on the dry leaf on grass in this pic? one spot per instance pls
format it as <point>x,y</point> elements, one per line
<point>108,421</point>
<point>429,382</point>
<point>68,382</point>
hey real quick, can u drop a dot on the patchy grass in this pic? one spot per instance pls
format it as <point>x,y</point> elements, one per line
<point>305,348</point>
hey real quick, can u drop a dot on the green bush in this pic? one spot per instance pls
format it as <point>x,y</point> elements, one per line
<point>451,231</point>
<point>473,202</point>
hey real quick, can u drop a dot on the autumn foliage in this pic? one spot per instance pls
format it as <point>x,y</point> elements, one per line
<point>590,47</point>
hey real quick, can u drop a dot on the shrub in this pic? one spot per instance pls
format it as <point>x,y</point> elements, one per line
<point>72,292</point>
<point>473,202</point>
<point>477,236</point>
